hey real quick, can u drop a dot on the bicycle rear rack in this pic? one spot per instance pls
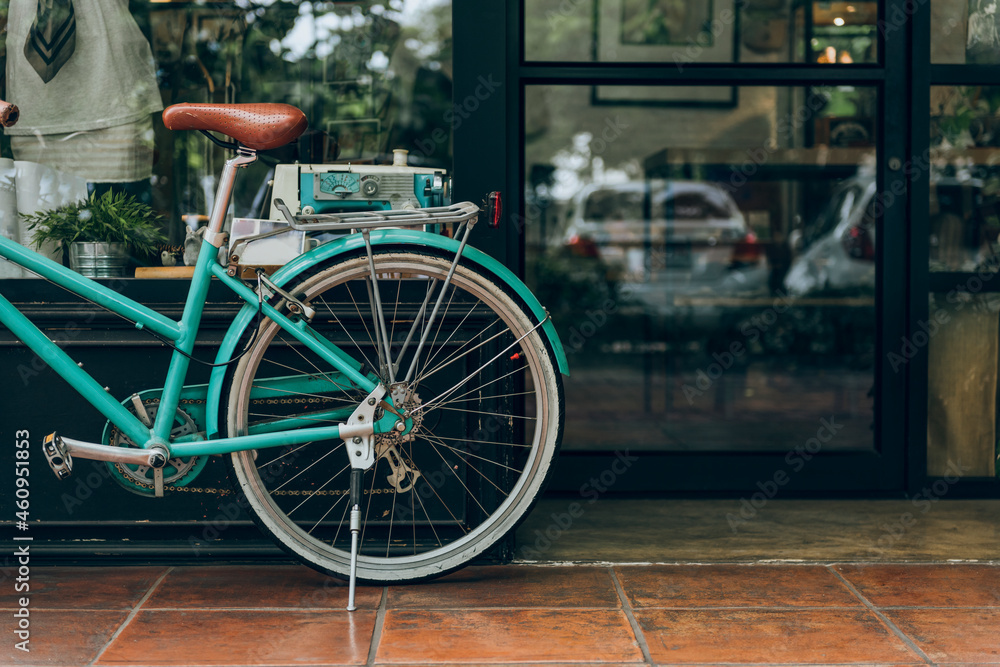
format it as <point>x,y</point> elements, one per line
<point>462,212</point>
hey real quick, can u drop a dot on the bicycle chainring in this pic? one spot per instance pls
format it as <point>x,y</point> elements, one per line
<point>178,472</point>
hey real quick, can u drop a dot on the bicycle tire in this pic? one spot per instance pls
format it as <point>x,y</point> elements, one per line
<point>522,423</point>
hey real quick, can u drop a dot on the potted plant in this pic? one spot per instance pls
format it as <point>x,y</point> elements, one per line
<point>100,233</point>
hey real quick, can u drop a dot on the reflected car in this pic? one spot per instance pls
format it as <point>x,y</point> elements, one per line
<point>837,251</point>
<point>668,242</point>
<point>639,228</point>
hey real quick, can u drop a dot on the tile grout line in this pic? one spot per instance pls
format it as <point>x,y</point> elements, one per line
<point>132,614</point>
<point>885,619</point>
<point>640,638</point>
<point>379,622</point>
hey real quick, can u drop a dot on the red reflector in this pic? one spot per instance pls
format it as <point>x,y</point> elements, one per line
<point>494,209</point>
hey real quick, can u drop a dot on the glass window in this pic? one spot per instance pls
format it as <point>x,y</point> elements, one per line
<point>964,171</point>
<point>689,31</point>
<point>964,32</point>
<point>961,334</point>
<point>372,76</point>
<point>711,270</point>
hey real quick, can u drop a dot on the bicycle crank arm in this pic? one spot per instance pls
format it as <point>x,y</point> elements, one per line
<point>60,451</point>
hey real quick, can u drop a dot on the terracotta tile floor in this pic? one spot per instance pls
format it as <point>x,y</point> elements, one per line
<point>717,614</point>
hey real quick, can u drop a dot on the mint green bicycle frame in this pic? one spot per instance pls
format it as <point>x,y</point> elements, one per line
<point>182,334</point>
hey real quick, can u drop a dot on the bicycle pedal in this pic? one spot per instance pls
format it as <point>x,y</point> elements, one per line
<point>57,455</point>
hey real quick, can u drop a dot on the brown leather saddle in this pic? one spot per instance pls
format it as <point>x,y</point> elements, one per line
<point>259,127</point>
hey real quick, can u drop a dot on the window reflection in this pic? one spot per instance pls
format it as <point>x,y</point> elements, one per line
<point>964,178</point>
<point>964,207</point>
<point>372,76</point>
<point>964,32</point>
<point>711,271</point>
<point>687,31</point>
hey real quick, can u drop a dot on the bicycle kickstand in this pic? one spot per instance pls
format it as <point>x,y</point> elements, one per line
<point>355,500</point>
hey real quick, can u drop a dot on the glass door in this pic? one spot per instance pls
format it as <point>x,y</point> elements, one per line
<point>710,218</point>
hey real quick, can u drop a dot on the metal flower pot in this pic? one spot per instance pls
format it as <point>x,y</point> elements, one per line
<point>98,260</point>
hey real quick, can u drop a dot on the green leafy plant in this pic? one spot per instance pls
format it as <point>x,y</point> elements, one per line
<point>109,218</point>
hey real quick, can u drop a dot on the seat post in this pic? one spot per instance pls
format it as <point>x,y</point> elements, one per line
<point>244,156</point>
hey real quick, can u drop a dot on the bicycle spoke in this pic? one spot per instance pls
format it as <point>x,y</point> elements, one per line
<point>368,507</point>
<point>440,406</point>
<point>392,516</point>
<point>312,495</point>
<point>482,442</point>
<point>361,318</point>
<point>296,417</point>
<point>462,399</point>
<point>292,451</point>
<point>424,373</point>
<point>458,353</point>
<point>303,393</point>
<point>395,309</point>
<point>460,481</point>
<point>325,514</point>
<point>308,361</point>
<point>341,524</point>
<point>416,320</point>
<point>441,321</point>
<point>309,466</point>
<point>321,376</point>
<point>346,331</point>
<point>468,465</point>
<point>428,517</point>
<point>426,405</point>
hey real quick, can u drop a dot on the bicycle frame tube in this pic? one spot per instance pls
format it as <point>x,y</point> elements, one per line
<point>89,289</point>
<point>65,367</point>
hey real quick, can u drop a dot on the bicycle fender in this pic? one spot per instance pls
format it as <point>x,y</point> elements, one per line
<point>381,237</point>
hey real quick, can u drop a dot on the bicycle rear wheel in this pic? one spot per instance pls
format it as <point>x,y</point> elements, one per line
<point>487,405</point>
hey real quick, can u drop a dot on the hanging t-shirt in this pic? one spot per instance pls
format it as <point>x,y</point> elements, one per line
<point>108,80</point>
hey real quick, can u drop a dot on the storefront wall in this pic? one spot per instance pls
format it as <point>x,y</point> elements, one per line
<point>768,236</point>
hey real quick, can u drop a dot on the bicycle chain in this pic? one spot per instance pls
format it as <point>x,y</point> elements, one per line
<point>229,492</point>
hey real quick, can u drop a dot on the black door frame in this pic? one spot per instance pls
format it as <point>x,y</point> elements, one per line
<point>493,31</point>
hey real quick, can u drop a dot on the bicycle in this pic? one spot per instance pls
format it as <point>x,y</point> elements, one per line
<point>389,349</point>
